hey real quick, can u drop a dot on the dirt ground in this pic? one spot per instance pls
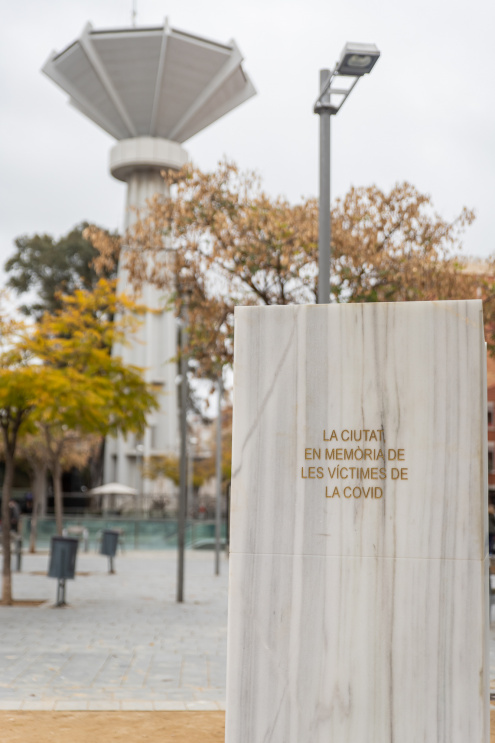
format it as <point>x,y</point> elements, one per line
<point>120,727</point>
<point>112,727</point>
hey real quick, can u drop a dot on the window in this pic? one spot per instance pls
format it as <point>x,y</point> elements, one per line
<point>154,436</point>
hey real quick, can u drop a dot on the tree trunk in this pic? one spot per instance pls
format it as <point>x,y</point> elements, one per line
<point>96,464</point>
<point>6,496</point>
<point>43,492</point>
<point>38,489</point>
<point>57,494</point>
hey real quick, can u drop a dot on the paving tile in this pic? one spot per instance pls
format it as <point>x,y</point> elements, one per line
<point>137,705</point>
<point>36,705</point>
<point>70,705</point>
<point>107,706</point>
<point>196,706</point>
<point>169,706</point>
<point>13,704</point>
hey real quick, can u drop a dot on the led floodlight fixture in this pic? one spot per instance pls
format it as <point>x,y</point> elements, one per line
<point>357,59</point>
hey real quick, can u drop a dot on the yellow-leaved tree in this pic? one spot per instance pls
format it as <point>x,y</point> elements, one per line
<point>20,385</point>
<point>73,385</point>
<point>87,389</point>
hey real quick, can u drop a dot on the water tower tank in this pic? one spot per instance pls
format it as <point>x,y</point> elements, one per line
<point>152,89</point>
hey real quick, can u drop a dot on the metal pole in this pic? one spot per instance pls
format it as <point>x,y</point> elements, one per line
<point>218,512</point>
<point>190,473</point>
<point>18,549</point>
<point>181,522</point>
<point>324,225</point>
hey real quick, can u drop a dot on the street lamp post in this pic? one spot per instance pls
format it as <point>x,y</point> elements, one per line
<point>182,514</point>
<point>355,61</point>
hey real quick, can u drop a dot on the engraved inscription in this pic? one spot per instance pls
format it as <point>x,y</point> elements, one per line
<point>366,461</point>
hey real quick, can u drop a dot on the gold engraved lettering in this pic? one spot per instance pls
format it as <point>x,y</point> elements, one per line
<point>356,453</point>
<point>333,436</point>
<point>310,453</point>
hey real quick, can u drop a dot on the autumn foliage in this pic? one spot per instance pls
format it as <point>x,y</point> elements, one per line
<point>221,241</point>
<point>60,382</point>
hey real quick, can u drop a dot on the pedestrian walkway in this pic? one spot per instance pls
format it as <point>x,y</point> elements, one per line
<point>123,643</point>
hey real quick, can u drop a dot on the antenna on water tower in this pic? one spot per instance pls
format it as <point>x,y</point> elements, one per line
<point>134,13</point>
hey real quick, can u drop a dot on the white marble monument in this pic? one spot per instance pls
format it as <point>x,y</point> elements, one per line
<point>359,555</point>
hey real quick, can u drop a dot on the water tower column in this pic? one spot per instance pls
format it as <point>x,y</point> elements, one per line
<point>139,162</point>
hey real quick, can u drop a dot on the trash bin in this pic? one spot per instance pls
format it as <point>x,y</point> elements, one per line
<point>109,542</point>
<point>63,551</point>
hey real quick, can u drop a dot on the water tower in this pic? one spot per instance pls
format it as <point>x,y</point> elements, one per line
<point>151,89</point>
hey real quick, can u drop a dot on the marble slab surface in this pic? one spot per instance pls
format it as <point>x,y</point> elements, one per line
<point>358,591</point>
<point>408,372</point>
<point>356,650</point>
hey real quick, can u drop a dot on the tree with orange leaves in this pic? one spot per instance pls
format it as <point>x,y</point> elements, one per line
<point>222,241</point>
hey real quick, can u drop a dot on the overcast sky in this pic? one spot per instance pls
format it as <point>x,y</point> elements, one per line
<point>426,113</point>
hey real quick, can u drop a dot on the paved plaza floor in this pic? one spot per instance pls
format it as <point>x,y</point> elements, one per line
<point>123,643</point>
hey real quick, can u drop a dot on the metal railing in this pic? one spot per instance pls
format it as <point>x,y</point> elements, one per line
<point>146,534</point>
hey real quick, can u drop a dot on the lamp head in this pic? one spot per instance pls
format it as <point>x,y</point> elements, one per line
<point>357,59</point>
